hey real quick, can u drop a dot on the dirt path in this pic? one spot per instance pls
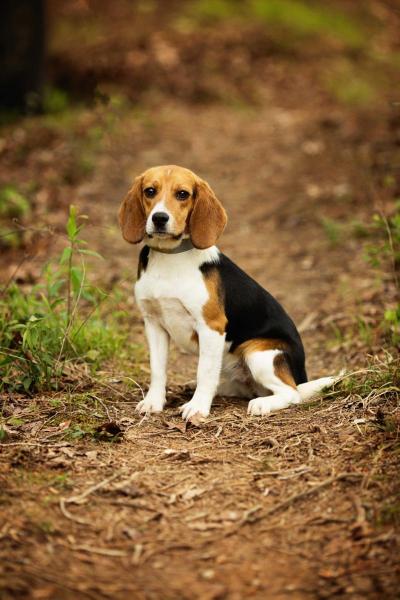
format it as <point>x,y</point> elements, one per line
<point>238,507</point>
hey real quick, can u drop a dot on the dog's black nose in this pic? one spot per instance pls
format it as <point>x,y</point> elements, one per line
<point>160,219</point>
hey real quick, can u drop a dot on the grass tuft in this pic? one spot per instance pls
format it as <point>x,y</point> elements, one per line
<point>57,323</point>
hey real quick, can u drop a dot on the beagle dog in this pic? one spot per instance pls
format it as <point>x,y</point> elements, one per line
<point>190,292</point>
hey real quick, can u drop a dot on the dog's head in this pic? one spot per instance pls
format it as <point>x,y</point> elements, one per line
<point>169,203</point>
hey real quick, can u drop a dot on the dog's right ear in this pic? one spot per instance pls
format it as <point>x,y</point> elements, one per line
<point>131,216</point>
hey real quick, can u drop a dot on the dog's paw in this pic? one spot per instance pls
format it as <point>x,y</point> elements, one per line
<point>151,404</point>
<point>259,407</point>
<point>263,406</point>
<point>195,406</point>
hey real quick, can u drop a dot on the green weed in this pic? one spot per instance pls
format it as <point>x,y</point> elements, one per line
<point>380,377</point>
<point>55,323</point>
<point>351,86</point>
<point>54,100</point>
<point>46,527</point>
<point>333,230</point>
<point>384,253</point>
<point>336,231</point>
<point>13,205</point>
<point>61,481</point>
<point>365,331</point>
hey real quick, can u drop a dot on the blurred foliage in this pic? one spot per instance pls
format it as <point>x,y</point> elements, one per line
<point>352,84</point>
<point>54,100</point>
<point>299,18</point>
<point>12,203</point>
<point>218,50</point>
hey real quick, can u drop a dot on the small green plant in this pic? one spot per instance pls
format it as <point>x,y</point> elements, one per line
<point>384,252</point>
<point>333,230</point>
<point>380,378</point>
<point>57,322</point>
<point>351,86</point>
<point>365,331</point>
<point>54,100</point>
<point>386,246</point>
<point>13,205</point>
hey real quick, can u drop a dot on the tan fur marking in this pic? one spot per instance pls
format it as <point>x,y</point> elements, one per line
<point>283,371</point>
<point>260,345</point>
<point>213,310</point>
<point>201,215</point>
<point>208,218</point>
<point>168,180</point>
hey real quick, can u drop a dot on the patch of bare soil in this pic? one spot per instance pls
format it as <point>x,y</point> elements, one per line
<point>234,507</point>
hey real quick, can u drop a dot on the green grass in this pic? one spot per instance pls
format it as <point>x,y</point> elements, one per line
<point>308,20</point>
<point>56,323</point>
<point>352,84</point>
<point>298,18</point>
<point>382,253</point>
<point>381,376</point>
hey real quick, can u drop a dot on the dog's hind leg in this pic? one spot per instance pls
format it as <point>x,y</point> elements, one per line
<point>271,371</point>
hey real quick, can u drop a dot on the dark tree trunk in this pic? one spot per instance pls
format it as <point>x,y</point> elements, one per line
<point>22,49</point>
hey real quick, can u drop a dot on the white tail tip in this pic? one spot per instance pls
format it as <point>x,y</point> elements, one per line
<point>313,388</point>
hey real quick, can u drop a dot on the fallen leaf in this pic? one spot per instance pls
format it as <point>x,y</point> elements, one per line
<point>179,425</point>
<point>64,425</point>
<point>193,492</point>
<point>68,452</point>
<point>172,454</point>
<point>91,454</point>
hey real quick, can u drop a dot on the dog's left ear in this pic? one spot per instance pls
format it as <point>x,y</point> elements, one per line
<point>131,216</point>
<point>208,218</point>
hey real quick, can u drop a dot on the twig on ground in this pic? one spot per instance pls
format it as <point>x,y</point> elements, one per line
<point>79,499</point>
<point>248,519</point>
<point>102,551</point>
<point>296,497</point>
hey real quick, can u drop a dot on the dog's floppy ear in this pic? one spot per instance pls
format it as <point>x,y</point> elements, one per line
<point>208,218</point>
<point>131,216</point>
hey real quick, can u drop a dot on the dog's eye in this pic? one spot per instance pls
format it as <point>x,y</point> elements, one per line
<point>150,192</point>
<point>182,195</point>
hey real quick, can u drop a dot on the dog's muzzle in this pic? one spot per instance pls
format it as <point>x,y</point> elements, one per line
<point>160,220</point>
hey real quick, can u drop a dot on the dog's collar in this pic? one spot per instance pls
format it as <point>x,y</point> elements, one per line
<point>185,245</point>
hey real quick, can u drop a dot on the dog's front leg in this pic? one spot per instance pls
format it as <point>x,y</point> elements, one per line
<point>158,341</point>
<point>211,348</point>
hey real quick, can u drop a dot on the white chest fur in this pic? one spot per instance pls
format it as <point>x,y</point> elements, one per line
<point>172,291</point>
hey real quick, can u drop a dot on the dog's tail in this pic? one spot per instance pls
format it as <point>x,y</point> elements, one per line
<point>313,388</point>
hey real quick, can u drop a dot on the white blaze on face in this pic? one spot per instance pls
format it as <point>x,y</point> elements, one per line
<point>159,207</point>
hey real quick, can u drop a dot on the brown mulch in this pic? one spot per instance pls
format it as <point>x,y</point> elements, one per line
<point>231,507</point>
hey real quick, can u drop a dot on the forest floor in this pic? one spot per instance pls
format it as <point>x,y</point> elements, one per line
<point>301,504</point>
